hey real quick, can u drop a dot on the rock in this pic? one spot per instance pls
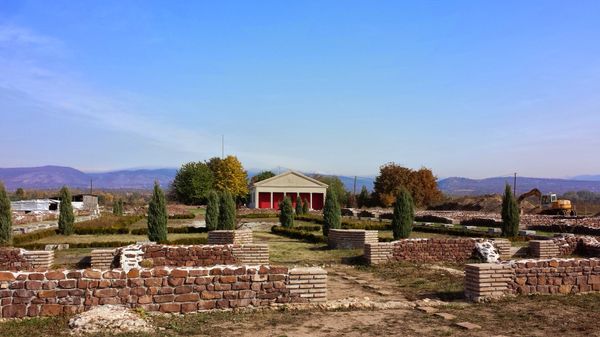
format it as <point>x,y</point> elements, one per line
<point>445,315</point>
<point>110,319</point>
<point>468,325</point>
<point>487,251</point>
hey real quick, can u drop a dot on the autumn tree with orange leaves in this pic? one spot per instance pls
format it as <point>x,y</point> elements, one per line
<point>421,184</point>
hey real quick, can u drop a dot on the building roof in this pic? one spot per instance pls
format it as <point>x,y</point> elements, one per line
<point>290,175</point>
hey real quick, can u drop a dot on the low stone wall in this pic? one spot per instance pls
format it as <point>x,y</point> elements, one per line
<point>104,259</point>
<point>173,290</point>
<point>20,259</point>
<point>351,238</point>
<point>180,256</point>
<point>227,237</point>
<point>565,246</point>
<point>548,276</point>
<point>206,255</point>
<point>425,250</point>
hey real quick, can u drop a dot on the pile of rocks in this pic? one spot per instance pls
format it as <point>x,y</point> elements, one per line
<point>111,319</point>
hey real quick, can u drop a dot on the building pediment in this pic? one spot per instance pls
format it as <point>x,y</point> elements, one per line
<point>290,179</point>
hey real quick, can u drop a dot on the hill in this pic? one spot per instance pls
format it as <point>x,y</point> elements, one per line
<point>466,186</point>
<point>51,177</point>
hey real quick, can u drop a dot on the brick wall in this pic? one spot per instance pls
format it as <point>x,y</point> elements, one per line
<point>21,259</point>
<point>227,237</point>
<point>206,255</point>
<point>426,250</point>
<point>180,256</point>
<point>162,289</point>
<point>564,246</point>
<point>351,238</point>
<point>548,276</point>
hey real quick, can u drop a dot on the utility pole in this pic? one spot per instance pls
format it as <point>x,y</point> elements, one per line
<point>515,185</point>
<point>91,186</point>
<point>354,191</point>
<point>222,146</point>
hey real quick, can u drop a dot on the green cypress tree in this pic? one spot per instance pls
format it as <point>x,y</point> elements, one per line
<point>305,207</point>
<point>510,214</point>
<point>66,218</point>
<point>298,205</point>
<point>331,212</point>
<point>121,208</point>
<point>286,212</point>
<point>212,211</point>
<point>227,211</point>
<point>404,215</point>
<point>157,216</point>
<point>5,217</point>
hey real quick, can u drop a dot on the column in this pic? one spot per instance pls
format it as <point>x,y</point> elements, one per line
<point>271,200</point>
<point>311,204</point>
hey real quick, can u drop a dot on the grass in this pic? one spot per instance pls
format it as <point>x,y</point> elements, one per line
<point>109,238</point>
<point>418,281</point>
<point>288,251</point>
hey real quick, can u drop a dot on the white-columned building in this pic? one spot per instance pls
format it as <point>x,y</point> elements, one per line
<point>269,192</point>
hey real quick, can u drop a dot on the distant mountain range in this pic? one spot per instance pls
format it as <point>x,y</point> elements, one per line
<point>51,177</point>
<point>465,186</point>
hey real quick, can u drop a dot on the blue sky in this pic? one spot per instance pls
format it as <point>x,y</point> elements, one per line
<point>467,88</point>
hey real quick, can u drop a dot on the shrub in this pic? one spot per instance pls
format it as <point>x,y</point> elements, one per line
<point>5,217</point>
<point>258,215</point>
<point>308,228</point>
<point>182,216</point>
<point>510,214</point>
<point>432,218</point>
<point>331,212</point>
<point>298,234</point>
<point>212,210</point>
<point>404,214</point>
<point>66,218</point>
<point>286,213</point>
<point>481,222</point>
<point>226,211</point>
<point>29,237</point>
<point>366,214</point>
<point>347,212</point>
<point>305,207</point>
<point>298,205</point>
<point>157,216</point>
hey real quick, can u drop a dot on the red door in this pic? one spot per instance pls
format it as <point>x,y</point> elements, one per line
<point>277,197</point>
<point>305,198</point>
<point>317,201</point>
<point>264,200</point>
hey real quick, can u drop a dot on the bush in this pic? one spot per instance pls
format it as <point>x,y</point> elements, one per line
<point>5,217</point>
<point>347,212</point>
<point>366,214</point>
<point>101,230</point>
<point>331,212</point>
<point>286,213</point>
<point>182,216</point>
<point>510,214</point>
<point>114,244</point>
<point>29,237</point>
<point>404,214</point>
<point>66,218</point>
<point>305,207</point>
<point>258,215</point>
<point>308,228</point>
<point>432,218</point>
<point>212,210</point>
<point>226,212</point>
<point>157,216</point>
<point>481,222</point>
<point>299,205</point>
<point>298,234</point>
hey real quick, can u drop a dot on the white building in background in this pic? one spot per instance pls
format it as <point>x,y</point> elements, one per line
<point>269,192</point>
<point>35,205</point>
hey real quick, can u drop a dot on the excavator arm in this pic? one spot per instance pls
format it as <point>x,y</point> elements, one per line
<point>533,192</point>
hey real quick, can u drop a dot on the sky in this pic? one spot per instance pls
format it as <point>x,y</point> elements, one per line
<point>466,88</point>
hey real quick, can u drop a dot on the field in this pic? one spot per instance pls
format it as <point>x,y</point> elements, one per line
<point>403,286</point>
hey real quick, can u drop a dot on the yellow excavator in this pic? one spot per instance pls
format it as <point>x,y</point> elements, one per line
<point>550,203</point>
